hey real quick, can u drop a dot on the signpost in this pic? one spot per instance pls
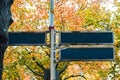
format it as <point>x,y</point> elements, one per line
<point>87,53</point>
<point>27,38</point>
<point>86,37</point>
<point>77,54</point>
<point>68,54</point>
<point>52,42</point>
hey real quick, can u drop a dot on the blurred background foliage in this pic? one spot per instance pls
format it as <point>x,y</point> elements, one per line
<point>30,62</point>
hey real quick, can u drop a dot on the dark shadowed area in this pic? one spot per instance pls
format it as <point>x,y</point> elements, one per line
<point>5,21</point>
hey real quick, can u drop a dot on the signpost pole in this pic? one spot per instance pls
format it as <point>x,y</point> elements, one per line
<point>52,45</point>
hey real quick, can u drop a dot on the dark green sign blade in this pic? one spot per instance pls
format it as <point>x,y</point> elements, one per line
<point>75,54</point>
<point>26,38</point>
<point>86,37</point>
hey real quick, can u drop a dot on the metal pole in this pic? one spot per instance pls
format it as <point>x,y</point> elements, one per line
<point>52,47</point>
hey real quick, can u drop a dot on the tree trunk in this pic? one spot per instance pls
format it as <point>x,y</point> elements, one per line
<point>5,21</point>
<point>2,50</point>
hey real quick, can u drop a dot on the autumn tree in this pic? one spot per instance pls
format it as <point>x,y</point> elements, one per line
<point>115,23</point>
<point>5,21</point>
<point>23,62</point>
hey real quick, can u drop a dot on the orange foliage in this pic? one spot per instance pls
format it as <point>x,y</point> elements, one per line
<point>70,15</point>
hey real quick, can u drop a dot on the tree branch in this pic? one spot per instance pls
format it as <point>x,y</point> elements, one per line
<point>41,66</point>
<point>36,73</point>
<point>75,76</point>
<point>64,67</point>
<point>48,54</point>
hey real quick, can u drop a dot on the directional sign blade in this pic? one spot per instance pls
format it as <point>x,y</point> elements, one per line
<point>75,54</point>
<point>26,38</point>
<point>86,37</point>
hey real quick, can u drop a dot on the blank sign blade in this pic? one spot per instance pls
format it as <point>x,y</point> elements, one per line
<point>86,37</point>
<point>26,38</point>
<point>75,54</point>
